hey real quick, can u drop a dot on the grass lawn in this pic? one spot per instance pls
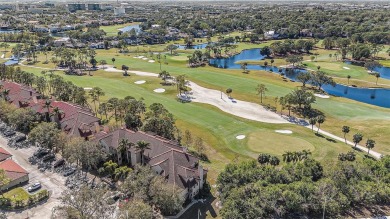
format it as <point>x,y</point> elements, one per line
<point>218,129</point>
<point>17,194</point>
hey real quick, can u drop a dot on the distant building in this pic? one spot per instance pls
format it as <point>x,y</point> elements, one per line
<point>73,7</point>
<point>271,35</point>
<point>128,10</point>
<point>94,7</point>
<point>118,11</point>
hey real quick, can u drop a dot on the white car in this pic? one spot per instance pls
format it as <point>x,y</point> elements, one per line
<point>34,187</point>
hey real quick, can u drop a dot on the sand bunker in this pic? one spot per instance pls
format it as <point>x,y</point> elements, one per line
<point>322,96</point>
<point>87,88</point>
<point>144,58</point>
<point>140,82</point>
<point>151,61</point>
<point>240,137</point>
<point>284,131</point>
<point>346,68</point>
<point>159,90</point>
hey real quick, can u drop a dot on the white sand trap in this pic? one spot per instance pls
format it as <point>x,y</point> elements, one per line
<point>240,137</point>
<point>2,56</point>
<point>159,90</point>
<point>87,88</point>
<point>140,82</point>
<point>322,96</point>
<point>151,61</point>
<point>346,68</point>
<point>144,58</point>
<point>140,57</point>
<point>284,131</point>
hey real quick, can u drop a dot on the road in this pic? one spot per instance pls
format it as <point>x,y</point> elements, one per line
<point>53,182</point>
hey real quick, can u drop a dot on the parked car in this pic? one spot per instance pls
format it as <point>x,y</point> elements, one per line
<point>34,187</point>
<point>69,172</point>
<point>58,163</point>
<point>9,133</point>
<point>41,152</point>
<point>20,138</point>
<point>48,157</point>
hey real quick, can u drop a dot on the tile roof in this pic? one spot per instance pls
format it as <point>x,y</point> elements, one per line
<point>178,166</point>
<point>12,169</point>
<point>4,154</point>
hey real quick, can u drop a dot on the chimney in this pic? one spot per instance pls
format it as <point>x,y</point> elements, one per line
<point>200,171</point>
<point>31,93</point>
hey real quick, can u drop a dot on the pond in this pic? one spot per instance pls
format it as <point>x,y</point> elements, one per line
<point>136,27</point>
<point>383,71</point>
<point>11,62</point>
<point>376,96</point>
<point>197,46</point>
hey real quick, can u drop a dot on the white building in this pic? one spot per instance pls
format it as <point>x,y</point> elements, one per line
<point>118,11</point>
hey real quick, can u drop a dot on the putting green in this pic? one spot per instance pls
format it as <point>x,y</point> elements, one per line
<point>276,143</point>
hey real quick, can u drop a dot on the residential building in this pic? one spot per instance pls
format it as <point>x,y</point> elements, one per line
<point>271,35</point>
<point>167,158</point>
<point>4,155</point>
<point>74,120</point>
<point>14,172</point>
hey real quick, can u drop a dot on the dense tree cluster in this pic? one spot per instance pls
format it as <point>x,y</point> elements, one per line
<point>249,190</point>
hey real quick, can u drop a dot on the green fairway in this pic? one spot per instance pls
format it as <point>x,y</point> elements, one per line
<point>219,129</point>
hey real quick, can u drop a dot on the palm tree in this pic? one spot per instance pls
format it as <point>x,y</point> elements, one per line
<point>320,120</point>
<point>377,75</point>
<point>142,146</point>
<point>345,130</point>
<point>263,158</point>
<point>261,89</point>
<point>265,65</point>
<point>57,113</point>
<point>287,156</point>
<point>164,75</point>
<point>113,61</point>
<point>5,94</point>
<point>312,122</point>
<point>358,137</point>
<point>103,108</point>
<point>348,77</point>
<point>47,106</point>
<point>274,161</point>
<point>244,67</point>
<point>370,144</point>
<point>124,146</point>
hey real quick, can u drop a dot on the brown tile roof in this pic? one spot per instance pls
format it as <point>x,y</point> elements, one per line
<point>179,167</point>
<point>19,94</point>
<point>12,169</point>
<point>4,154</point>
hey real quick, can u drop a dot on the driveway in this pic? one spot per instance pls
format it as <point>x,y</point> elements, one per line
<point>53,182</point>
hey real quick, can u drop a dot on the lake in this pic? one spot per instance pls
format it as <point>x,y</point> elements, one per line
<point>375,96</point>
<point>197,46</point>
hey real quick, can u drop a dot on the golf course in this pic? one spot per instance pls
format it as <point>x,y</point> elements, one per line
<point>219,129</point>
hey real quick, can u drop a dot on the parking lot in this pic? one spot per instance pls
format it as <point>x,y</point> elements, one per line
<point>52,181</point>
